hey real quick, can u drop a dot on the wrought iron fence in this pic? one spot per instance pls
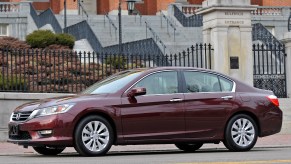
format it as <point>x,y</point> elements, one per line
<point>270,68</point>
<point>191,21</point>
<point>33,70</point>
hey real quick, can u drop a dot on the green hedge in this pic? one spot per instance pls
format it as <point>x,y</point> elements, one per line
<point>13,83</point>
<point>45,38</point>
<point>65,40</point>
<point>41,38</point>
<point>116,62</point>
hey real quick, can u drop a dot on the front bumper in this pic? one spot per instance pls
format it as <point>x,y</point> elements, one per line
<point>28,133</point>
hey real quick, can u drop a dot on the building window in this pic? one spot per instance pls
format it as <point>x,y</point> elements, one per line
<point>3,30</point>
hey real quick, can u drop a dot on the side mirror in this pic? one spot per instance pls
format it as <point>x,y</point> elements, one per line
<point>137,92</point>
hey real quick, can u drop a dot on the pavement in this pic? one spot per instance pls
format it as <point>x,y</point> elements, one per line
<point>274,141</point>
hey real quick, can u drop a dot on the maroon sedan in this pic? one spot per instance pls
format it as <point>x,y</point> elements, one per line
<point>187,107</point>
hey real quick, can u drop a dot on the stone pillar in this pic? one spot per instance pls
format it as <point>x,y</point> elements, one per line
<point>90,6</point>
<point>24,7</point>
<point>287,41</point>
<point>227,26</point>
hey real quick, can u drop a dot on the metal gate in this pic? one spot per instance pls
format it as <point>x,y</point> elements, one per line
<point>270,68</point>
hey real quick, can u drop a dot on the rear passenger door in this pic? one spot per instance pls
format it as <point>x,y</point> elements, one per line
<point>208,98</point>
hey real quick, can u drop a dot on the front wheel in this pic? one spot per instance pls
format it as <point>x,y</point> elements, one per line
<point>241,133</point>
<point>49,150</point>
<point>188,147</point>
<point>93,136</point>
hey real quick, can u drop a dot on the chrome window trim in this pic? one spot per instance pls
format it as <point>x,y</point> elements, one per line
<point>162,94</point>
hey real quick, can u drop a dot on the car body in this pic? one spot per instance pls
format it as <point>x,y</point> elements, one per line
<point>166,105</point>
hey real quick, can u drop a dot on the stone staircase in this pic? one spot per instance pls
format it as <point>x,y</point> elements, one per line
<point>134,29</point>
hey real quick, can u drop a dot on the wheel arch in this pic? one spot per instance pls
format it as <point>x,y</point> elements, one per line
<point>97,113</point>
<point>252,115</point>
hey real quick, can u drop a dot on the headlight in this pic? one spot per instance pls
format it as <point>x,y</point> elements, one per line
<point>52,110</point>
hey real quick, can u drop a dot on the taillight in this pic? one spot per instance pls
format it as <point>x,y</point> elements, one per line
<point>274,100</point>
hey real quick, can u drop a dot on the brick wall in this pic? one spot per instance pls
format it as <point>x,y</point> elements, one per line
<point>148,7</point>
<point>276,2</point>
<point>70,4</point>
<point>55,6</point>
<point>195,1</point>
<point>257,2</point>
<point>41,5</point>
<point>102,6</point>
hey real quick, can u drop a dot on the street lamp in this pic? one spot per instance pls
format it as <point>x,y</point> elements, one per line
<point>65,16</point>
<point>130,6</point>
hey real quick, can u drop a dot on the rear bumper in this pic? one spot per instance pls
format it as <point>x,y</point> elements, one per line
<point>272,122</point>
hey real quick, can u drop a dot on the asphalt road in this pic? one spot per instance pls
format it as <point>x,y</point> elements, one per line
<point>204,156</point>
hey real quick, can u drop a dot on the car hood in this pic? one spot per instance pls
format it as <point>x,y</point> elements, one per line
<point>29,107</point>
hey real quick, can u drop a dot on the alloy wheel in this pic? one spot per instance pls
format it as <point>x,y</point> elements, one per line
<point>95,136</point>
<point>243,132</point>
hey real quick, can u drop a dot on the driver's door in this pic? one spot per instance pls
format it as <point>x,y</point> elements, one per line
<point>158,115</point>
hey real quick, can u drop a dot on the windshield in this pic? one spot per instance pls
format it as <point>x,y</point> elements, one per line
<point>113,83</point>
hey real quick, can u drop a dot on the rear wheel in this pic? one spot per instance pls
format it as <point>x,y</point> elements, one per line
<point>49,150</point>
<point>189,147</point>
<point>241,133</point>
<point>93,136</point>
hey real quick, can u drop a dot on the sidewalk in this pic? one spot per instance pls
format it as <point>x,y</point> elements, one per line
<point>278,140</point>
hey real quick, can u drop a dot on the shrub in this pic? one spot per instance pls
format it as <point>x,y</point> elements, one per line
<point>12,43</point>
<point>13,83</point>
<point>65,40</point>
<point>116,62</point>
<point>41,38</point>
<point>46,38</point>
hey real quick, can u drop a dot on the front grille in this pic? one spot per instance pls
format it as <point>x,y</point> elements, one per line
<point>20,116</point>
<point>23,135</point>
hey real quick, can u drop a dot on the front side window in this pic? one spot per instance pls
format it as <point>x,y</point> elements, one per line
<point>160,83</point>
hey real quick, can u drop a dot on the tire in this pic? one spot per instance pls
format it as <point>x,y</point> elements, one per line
<point>93,136</point>
<point>241,133</point>
<point>49,150</point>
<point>189,147</point>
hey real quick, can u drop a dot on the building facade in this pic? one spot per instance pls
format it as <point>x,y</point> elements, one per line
<point>146,7</point>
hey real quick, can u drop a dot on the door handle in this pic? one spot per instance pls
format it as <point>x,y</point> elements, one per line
<point>176,100</point>
<point>227,97</point>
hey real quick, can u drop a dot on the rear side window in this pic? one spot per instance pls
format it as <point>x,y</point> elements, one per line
<point>201,82</point>
<point>226,85</point>
<point>206,82</point>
